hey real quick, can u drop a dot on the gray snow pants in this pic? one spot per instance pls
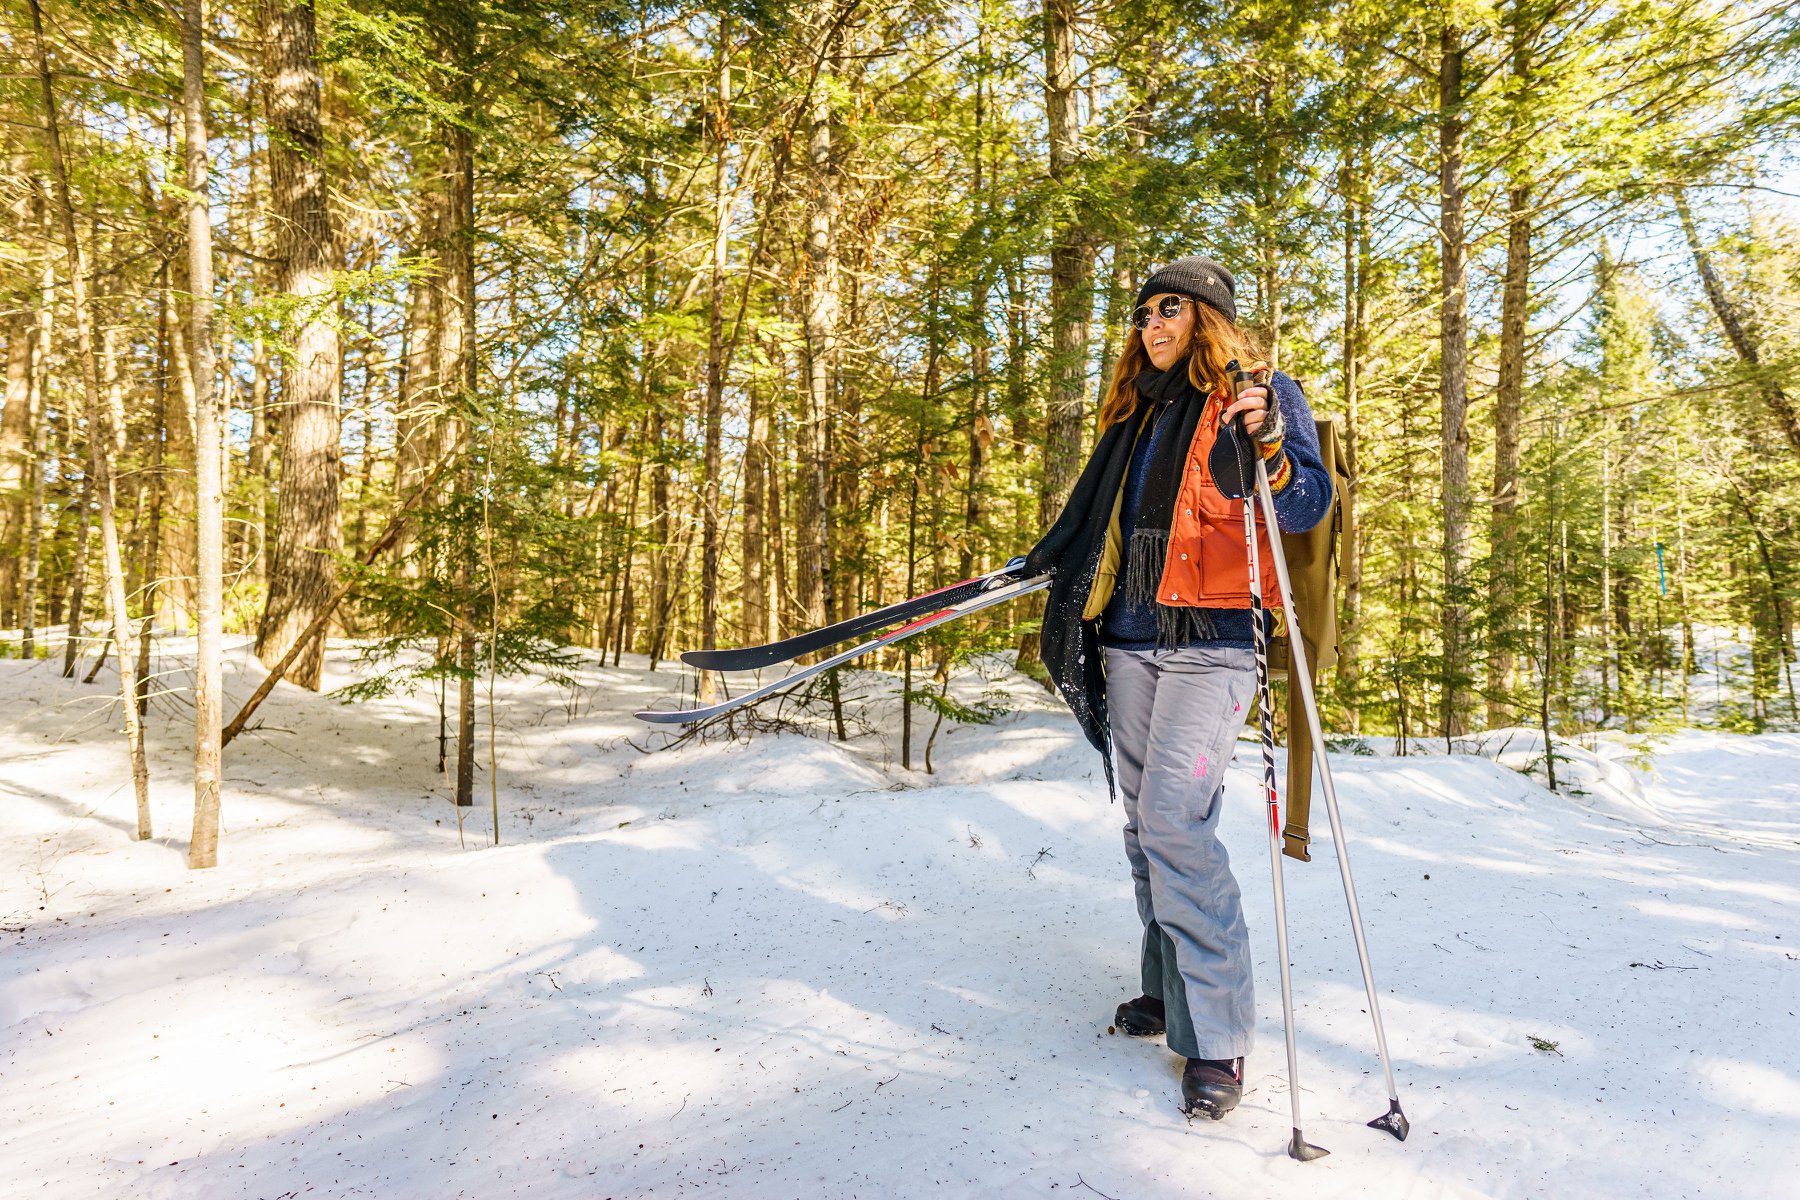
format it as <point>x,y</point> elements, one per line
<point>1175,717</point>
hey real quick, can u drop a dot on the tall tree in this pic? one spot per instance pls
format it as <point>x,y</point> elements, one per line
<point>303,572</point>
<point>715,357</point>
<point>84,509</point>
<point>1071,263</point>
<point>37,360</point>
<point>16,470</point>
<point>822,311</point>
<point>462,41</point>
<point>1453,378</point>
<point>1506,566</point>
<point>209,535</point>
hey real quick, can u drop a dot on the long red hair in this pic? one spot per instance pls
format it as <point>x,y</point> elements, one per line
<point>1214,341</point>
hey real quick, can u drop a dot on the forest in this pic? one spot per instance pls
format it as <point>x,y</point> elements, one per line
<point>478,331</point>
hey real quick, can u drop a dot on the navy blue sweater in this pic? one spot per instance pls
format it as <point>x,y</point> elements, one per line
<point>1299,506</point>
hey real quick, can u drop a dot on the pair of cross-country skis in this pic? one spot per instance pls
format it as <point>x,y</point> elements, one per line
<point>909,616</point>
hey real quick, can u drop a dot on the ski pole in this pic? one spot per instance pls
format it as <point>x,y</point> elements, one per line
<point>1298,1147</point>
<point>1394,1120</point>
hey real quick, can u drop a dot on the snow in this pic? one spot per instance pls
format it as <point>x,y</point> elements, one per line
<point>790,967</point>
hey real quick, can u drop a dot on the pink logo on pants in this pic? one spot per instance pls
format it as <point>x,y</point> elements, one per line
<point>1200,766</point>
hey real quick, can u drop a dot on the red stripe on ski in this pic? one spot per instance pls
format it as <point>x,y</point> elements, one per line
<point>915,624</point>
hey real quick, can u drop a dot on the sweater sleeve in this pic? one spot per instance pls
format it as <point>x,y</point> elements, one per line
<point>1306,498</point>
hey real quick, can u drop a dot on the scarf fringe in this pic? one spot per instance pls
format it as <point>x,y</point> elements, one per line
<point>1176,625</point>
<point>1144,561</point>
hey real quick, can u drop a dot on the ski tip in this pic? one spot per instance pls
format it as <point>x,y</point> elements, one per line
<point>1393,1121</point>
<point>667,717</point>
<point>708,660</point>
<point>1301,1150</point>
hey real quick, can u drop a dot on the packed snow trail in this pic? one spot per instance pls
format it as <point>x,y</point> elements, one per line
<point>789,968</point>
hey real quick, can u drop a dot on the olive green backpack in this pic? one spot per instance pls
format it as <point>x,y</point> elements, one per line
<point>1312,559</point>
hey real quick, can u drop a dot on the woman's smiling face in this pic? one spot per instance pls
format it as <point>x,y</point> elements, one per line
<point>1166,338</point>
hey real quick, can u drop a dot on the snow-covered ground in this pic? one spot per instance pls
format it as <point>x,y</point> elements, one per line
<point>791,969</point>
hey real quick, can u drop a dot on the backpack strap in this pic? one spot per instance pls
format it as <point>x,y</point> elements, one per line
<point>1294,833</point>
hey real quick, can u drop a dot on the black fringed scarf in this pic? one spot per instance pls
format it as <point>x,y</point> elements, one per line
<point>1174,400</point>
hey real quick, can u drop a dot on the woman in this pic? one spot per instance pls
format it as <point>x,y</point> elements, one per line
<point>1148,635</point>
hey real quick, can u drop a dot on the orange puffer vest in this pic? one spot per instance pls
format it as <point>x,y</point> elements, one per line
<point>1208,564</point>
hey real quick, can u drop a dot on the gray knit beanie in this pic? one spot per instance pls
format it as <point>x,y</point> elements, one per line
<point>1196,276</point>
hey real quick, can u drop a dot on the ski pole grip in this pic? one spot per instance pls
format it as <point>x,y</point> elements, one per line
<point>1242,379</point>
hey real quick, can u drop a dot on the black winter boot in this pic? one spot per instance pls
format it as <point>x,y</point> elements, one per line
<point>1212,1086</point>
<point>1142,1017</point>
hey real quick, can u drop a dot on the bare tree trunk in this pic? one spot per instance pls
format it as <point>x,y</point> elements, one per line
<point>1026,522</point>
<point>78,567</point>
<point>17,421</point>
<point>1688,663</point>
<point>715,366</point>
<point>462,171</point>
<point>1606,538</point>
<point>365,407</point>
<point>1071,270</point>
<point>912,589</point>
<point>101,438</point>
<point>661,523</point>
<point>209,505</point>
<point>152,541</point>
<point>78,574</point>
<point>113,383</point>
<point>1071,279</point>
<point>1453,381</point>
<point>813,517</point>
<point>180,568</point>
<point>757,612</point>
<point>781,591</point>
<point>259,464</point>
<point>36,400</point>
<point>624,556</point>
<point>1547,673</point>
<point>1268,274</point>
<point>980,431</point>
<point>843,433</point>
<point>1743,340</point>
<point>16,472</point>
<point>662,528</point>
<point>1505,564</point>
<point>1356,280</point>
<point>303,573</point>
<point>1509,408</point>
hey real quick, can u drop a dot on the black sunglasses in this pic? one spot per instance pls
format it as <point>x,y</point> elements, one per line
<point>1166,308</point>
